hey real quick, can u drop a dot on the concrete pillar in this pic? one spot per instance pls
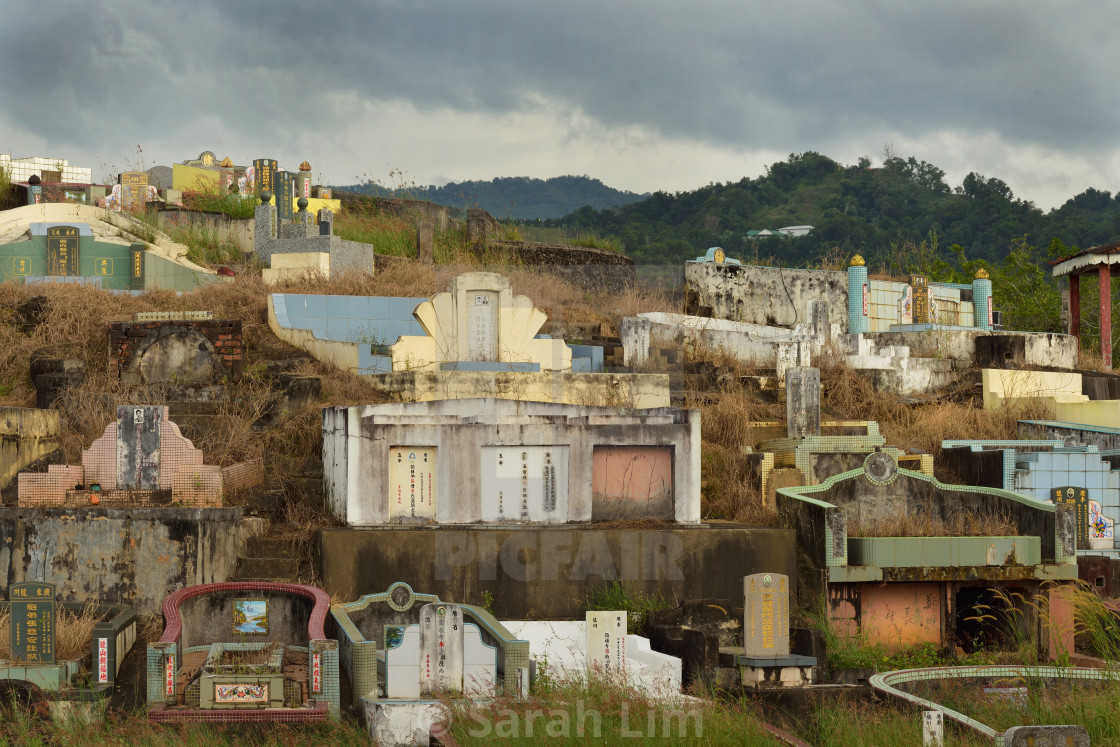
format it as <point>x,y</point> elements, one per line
<point>803,402</point>
<point>1075,308</point>
<point>1105,276</point>
<point>424,241</point>
<point>858,297</point>
<point>982,300</point>
<point>34,190</point>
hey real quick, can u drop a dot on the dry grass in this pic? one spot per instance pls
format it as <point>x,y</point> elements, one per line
<point>73,632</point>
<point>960,524</point>
<point>849,394</point>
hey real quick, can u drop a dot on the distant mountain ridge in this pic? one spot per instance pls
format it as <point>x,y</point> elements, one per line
<point>520,197</point>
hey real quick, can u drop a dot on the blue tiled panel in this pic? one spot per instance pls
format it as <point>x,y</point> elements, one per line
<point>592,353</point>
<point>379,319</point>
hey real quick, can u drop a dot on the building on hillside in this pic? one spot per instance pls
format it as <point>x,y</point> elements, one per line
<point>49,170</point>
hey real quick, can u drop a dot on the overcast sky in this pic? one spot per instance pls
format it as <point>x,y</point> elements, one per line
<point>642,94</point>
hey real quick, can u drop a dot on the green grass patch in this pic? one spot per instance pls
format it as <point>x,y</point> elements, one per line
<point>232,204</point>
<point>617,596</point>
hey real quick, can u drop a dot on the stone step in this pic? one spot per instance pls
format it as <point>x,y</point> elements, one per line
<point>269,547</point>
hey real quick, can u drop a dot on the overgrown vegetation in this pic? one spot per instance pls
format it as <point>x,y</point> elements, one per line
<point>73,631</point>
<point>616,595</point>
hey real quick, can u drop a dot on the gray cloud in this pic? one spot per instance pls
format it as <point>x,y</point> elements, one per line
<point>784,77</point>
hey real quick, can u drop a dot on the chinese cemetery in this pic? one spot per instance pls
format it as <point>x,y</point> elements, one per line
<point>319,484</point>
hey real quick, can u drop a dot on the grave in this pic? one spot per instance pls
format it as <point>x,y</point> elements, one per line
<point>1062,392</point>
<point>478,337</point>
<point>906,590</point>
<point>140,460</point>
<point>78,243</point>
<point>244,651</point>
<point>402,650</point>
<point>803,402</point>
<point>189,351</point>
<point>766,661</point>
<point>1048,471</point>
<point>599,646</point>
<point>30,657</point>
<point>501,462</point>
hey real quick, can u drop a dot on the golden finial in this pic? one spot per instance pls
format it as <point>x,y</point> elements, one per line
<point>305,166</point>
<point>226,163</point>
<point>982,274</point>
<point>857,261</point>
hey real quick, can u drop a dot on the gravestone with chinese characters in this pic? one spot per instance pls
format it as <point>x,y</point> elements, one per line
<point>264,174</point>
<point>63,255</point>
<point>32,609</point>
<point>921,308</point>
<point>766,615</point>
<point>606,643</point>
<point>803,402</point>
<point>326,222</point>
<point>285,202</point>
<point>134,189</point>
<point>1079,499</point>
<point>138,446</point>
<point>412,482</point>
<point>441,649</point>
<point>525,483</point>
<point>933,729</point>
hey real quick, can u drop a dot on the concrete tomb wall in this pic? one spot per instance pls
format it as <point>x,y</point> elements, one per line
<point>470,460</point>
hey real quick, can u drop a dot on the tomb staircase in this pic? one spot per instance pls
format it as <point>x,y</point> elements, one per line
<point>195,419</point>
<point>273,558</point>
<point>893,368</point>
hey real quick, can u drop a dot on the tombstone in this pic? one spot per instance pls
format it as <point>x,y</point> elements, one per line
<point>264,172</point>
<point>31,630</point>
<point>482,326</point>
<point>412,484</point>
<point>134,189</point>
<point>922,305</point>
<point>138,442</point>
<point>136,272</point>
<point>63,251</point>
<point>766,615</point>
<point>424,241</point>
<point>795,354</point>
<point>803,402</point>
<point>326,222</point>
<point>441,649</point>
<point>606,643</point>
<point>525,483</point>
<point>1079,499</point>
<point>933,729</point>
<point>285,203</point>
<point>819,324</point>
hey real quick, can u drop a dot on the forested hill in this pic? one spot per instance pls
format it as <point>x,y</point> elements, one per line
<point>873,211</point>
<point>515,197</point>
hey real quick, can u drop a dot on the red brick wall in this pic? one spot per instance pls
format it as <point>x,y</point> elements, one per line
<point>127,338</point>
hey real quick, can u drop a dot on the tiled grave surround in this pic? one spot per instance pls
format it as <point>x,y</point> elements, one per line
<point>1072,434</point>
<point>102,257</point>
<point>176,344</point>
<point>174,460</point>
<point>868,580</point>
<point>378,335</point>
<point>1061,392</point>
<point>895,684</point>
<point>499,462</point>
<point>110,642</point>
<point>1038,468</point>
<point>198,616</point>
<point>362,644</point>
<point>563,645</point>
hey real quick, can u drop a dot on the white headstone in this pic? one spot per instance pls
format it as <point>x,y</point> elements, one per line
<point>482,326</point>
<point>412,483</point>
<point>766,615</point>
<point>606,643</point>
<point>480,663</point>
<point>402,666</point>
<point>525,483</point>
<point>933,729</point>
<point>441,649</point>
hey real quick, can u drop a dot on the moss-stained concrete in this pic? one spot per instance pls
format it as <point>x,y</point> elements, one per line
<point>130,556</point>
<point>539,572</point>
